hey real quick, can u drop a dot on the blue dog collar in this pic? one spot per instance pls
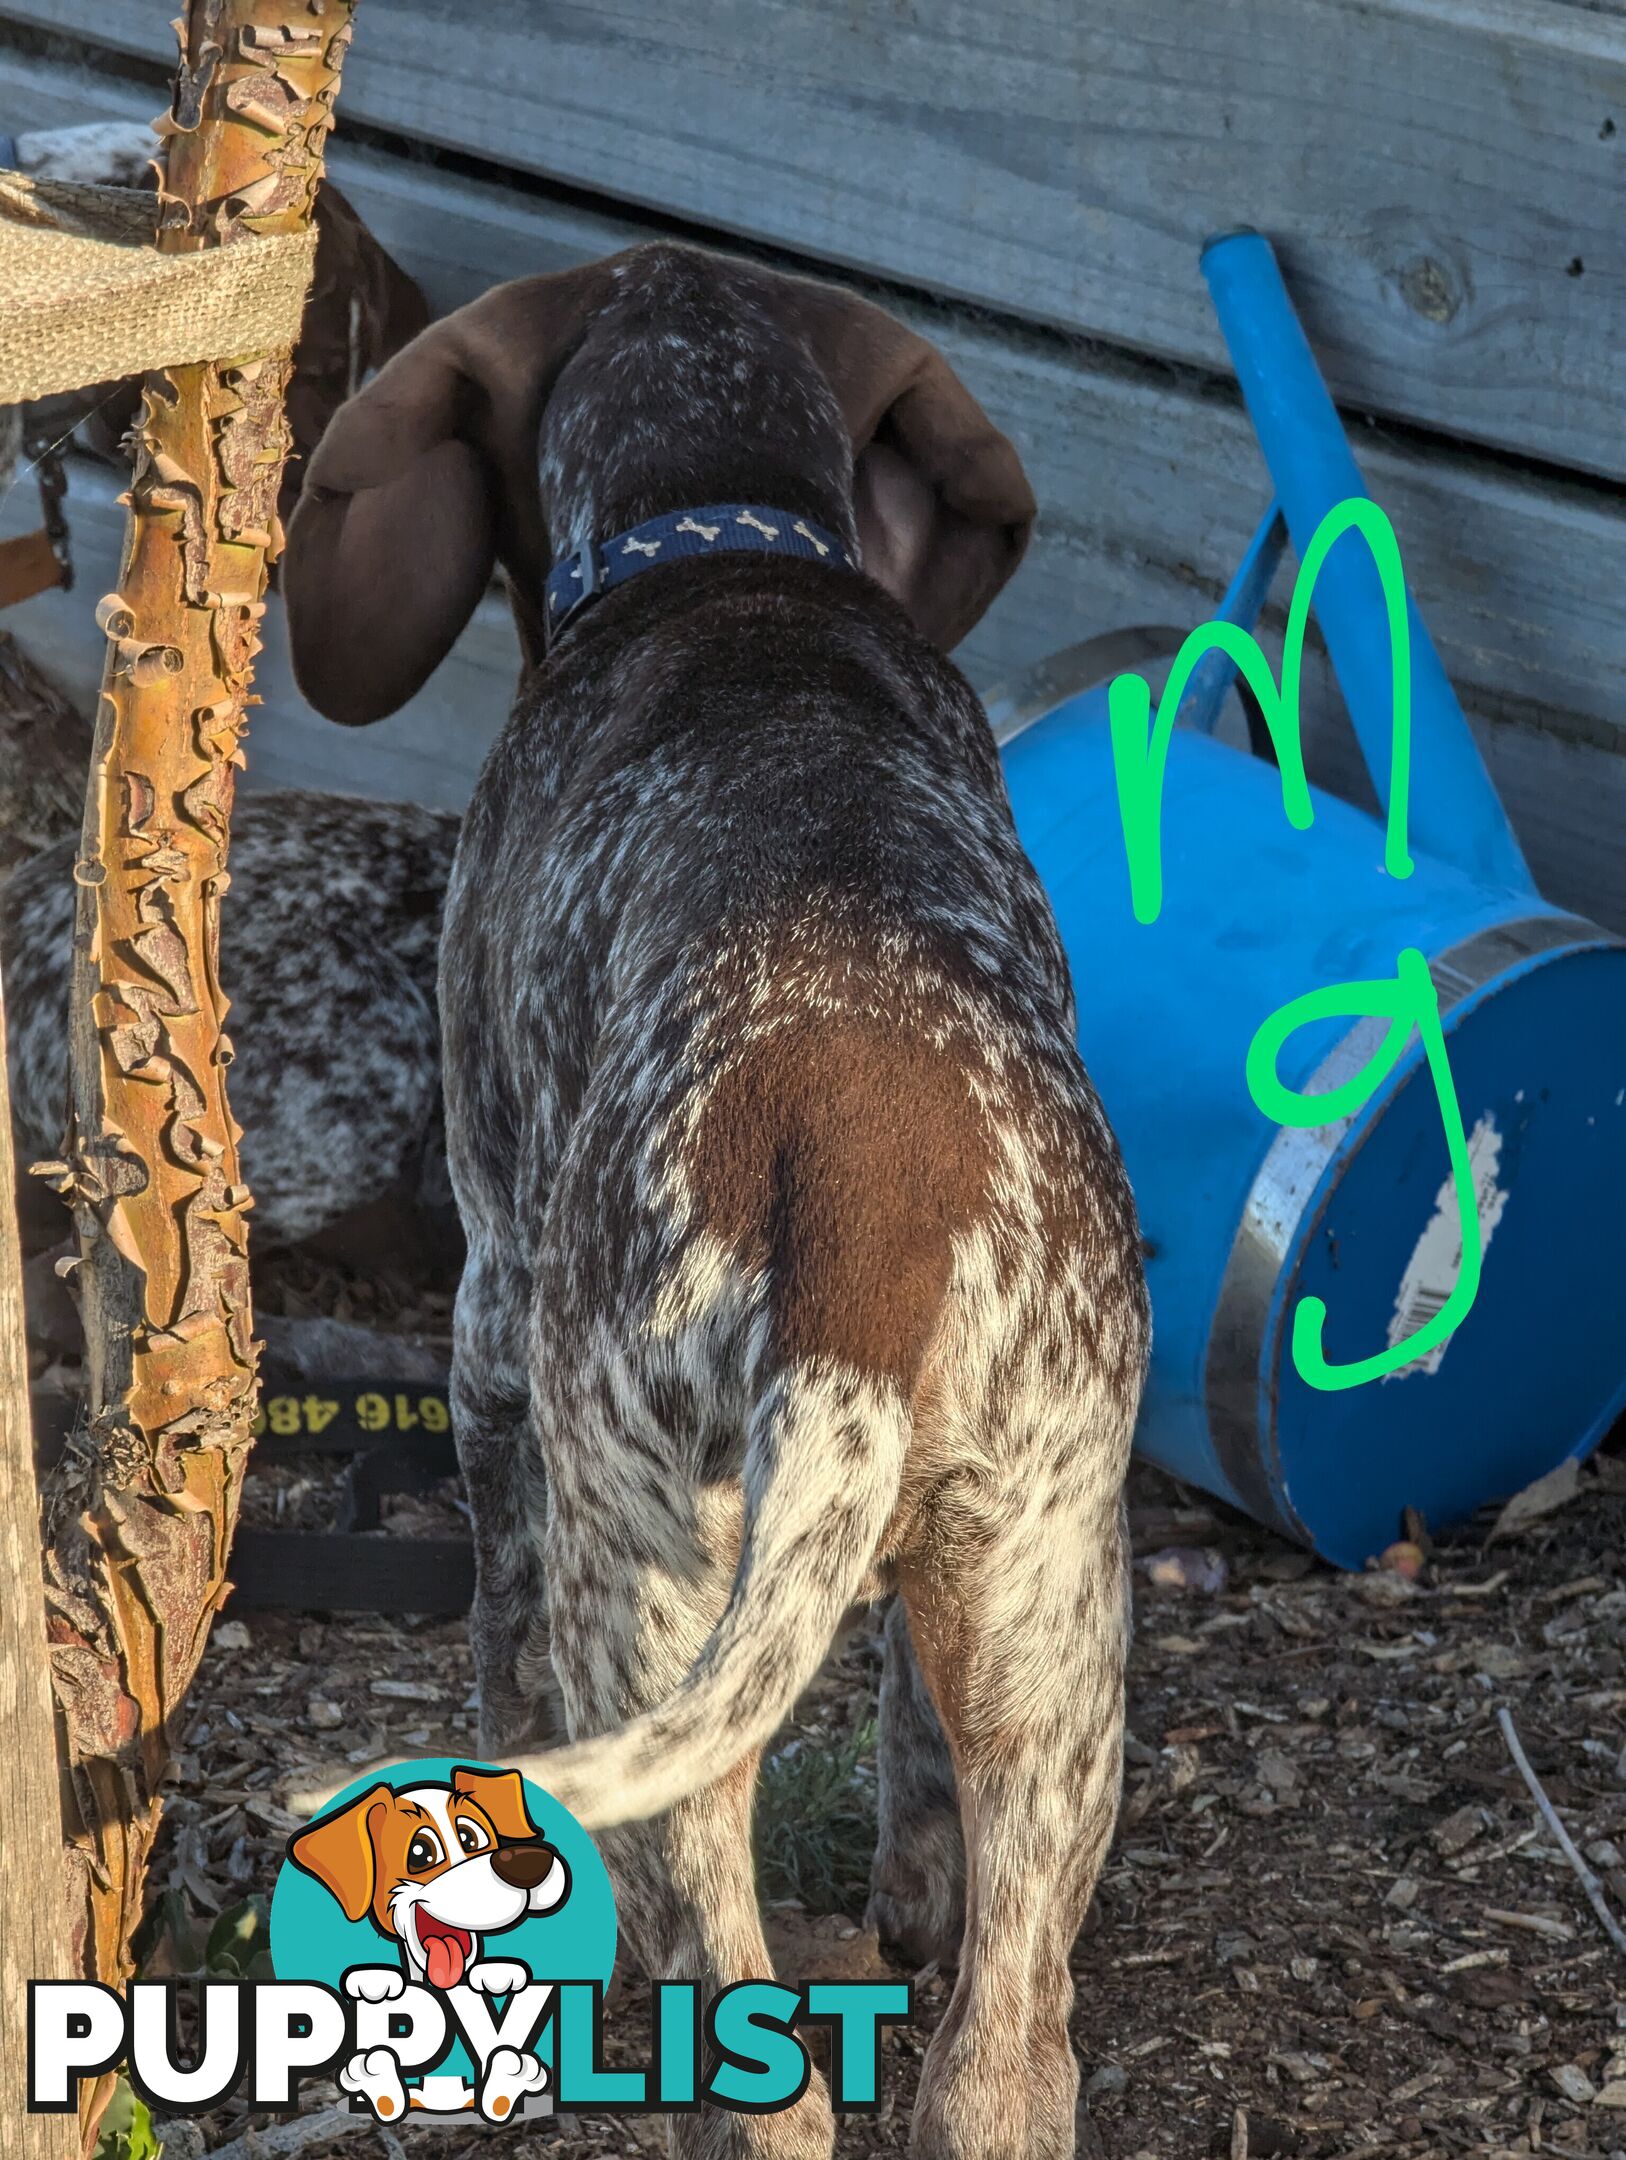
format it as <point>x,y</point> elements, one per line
<point>679,536</point>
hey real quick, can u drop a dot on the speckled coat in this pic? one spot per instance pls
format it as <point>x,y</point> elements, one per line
<point>803,1267</point>
<point>329,941</point>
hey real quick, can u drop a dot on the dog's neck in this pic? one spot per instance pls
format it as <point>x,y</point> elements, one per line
<point>684,392</point>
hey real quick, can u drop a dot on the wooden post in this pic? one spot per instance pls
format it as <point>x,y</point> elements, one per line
<point>33,1909</point>
<point>139,1519</point>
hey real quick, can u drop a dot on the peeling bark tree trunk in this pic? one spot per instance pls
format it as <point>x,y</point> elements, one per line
<point>33,1918</point>
<point>139,1521</point>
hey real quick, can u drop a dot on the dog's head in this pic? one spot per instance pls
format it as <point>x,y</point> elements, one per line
<point>434,473</point>
<point>436,1866</point>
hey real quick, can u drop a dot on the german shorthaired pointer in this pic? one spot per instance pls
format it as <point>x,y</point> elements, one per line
<point>329,946</point>
<point>802,1264</point>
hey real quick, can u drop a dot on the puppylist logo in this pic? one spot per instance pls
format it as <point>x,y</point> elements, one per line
<point>442,1936</point>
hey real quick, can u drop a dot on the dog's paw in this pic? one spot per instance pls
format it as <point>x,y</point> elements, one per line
<point>375,2077</point>
<point>914,1934</point>
<point>917,1890</point>
<point>374,1983</point>
<point>497,1976</point>
<point>509,2077</point>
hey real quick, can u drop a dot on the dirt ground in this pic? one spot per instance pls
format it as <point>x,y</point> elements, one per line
<point>1333,1924</point>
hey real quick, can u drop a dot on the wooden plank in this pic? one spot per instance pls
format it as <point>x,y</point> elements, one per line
<point>1444,176</point>
<point>1149,488</point>
<point>1150,492</point>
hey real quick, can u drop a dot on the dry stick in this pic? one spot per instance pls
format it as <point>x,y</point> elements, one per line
<point>1566,1844</point>
<point>288,2138</point>
<point>33,1910</point>
<point>139,1517</point>
<point>285,2139</point>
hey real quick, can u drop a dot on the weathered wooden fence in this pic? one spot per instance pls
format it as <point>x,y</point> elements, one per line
<point>1031,179</point>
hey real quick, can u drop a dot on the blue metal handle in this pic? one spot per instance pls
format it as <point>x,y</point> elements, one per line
<point>1455,812</point>
<point>1213,675</point>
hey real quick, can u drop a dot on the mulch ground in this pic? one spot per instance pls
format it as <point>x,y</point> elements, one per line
<point>1333,1924</point>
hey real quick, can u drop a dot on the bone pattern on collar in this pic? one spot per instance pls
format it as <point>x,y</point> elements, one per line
<point>683,536</point>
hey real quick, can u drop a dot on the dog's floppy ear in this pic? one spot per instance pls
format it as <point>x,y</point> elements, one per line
<point>422,483</point>
<point>339,1851</point>
<point>944,507</point>
<point>361,309</point>
<point>501,1793</point>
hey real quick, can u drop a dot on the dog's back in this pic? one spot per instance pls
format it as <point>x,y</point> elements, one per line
<point>748,955</point>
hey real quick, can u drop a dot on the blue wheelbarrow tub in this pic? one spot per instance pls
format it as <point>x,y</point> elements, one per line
<point>1242,1219</point>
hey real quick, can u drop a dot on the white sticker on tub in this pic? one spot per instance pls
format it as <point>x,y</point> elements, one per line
<point>1436,1261</point>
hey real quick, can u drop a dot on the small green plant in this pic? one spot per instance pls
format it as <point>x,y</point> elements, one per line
<point>177,1943</point>
<point>235,1947</point>
<point>815,1822</point>
<point>127,2132</point>
<point>239,1943</point>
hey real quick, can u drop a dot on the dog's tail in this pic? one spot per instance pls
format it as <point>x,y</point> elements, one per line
<point>823,1467</point>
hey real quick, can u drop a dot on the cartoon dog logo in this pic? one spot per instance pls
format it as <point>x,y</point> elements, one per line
<point>437,1868</point>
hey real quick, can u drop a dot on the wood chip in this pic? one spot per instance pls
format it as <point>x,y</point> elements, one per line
<point>1545,1497</point>
<point>1532,1923</point>
<point>1573,2082</point>
<point>1458,1831</point>
<point>1474,1959</point>
<point>1414,2088</point>
<point>1583,1586</point>
<point>1302,2068</point>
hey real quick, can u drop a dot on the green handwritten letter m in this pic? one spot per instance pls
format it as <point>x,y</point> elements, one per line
<point>1140,750</point>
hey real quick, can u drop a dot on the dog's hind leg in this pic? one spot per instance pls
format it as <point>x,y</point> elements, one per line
<point>502,1472</point>
<point>641,1561</point>
<point>685,1885</point>
<point>1025,1651</point>
<point>917,1895</point>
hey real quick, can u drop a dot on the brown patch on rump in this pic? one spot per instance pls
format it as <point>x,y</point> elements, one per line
<point>844,1155</point>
